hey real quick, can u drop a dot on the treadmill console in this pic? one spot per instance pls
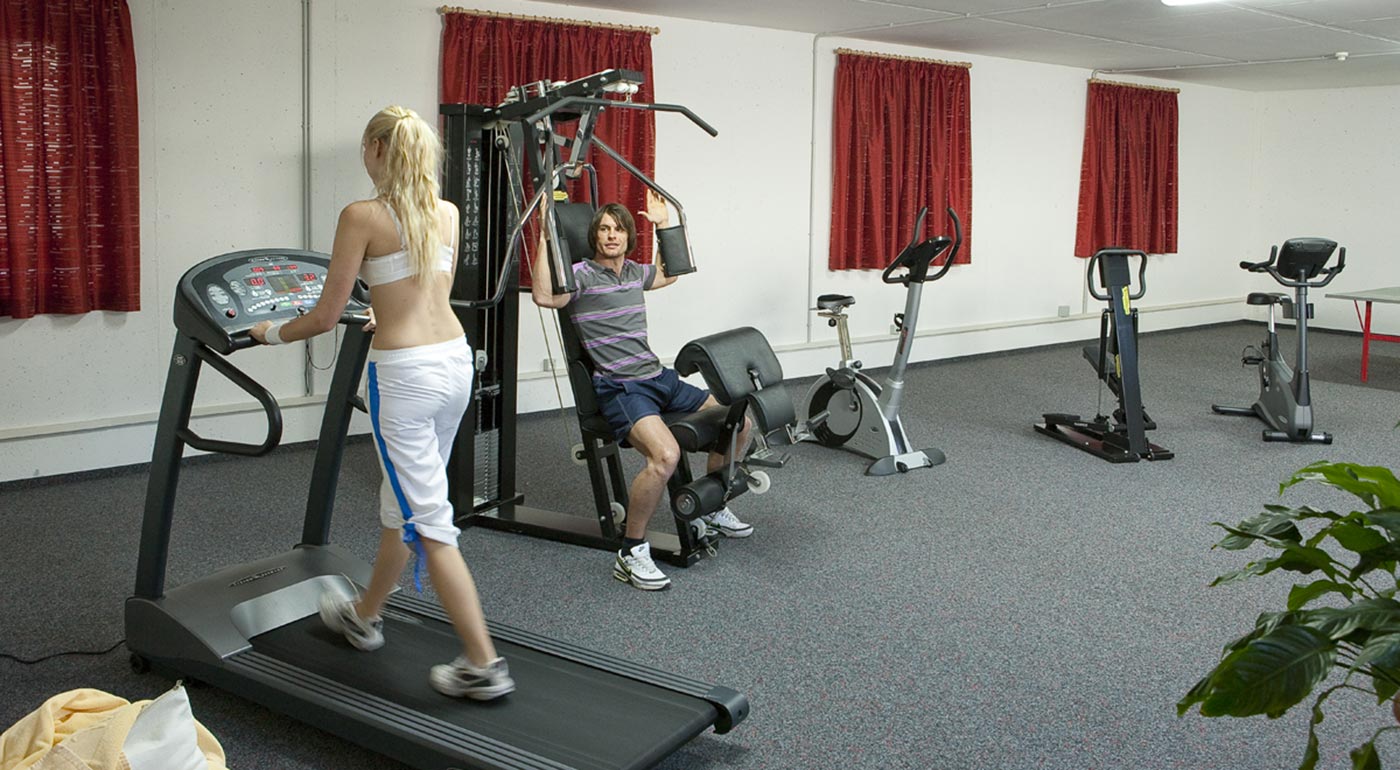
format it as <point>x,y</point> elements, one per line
<point>221,298</point>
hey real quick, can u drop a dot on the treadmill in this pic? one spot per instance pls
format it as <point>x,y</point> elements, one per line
<point>253,628</point>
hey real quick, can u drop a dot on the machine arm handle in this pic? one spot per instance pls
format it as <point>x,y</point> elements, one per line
<point>512,248</point>
<point>906,256</point>
<point>252,388</point>
<point>1331,272</point>
<point>1261,267</point>
<point>593,101</point>
<point>1142,272</point>
<point>957,244</point>
<point>918,256</point>
<point>1142,277</point>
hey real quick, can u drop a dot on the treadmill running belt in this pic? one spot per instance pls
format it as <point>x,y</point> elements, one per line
<point>573,714</point>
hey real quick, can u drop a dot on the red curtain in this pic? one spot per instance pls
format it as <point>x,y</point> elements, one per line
<point>901,140</point>
<point>1127,182</point>
<point>483,57</point>
<point>69,184</point>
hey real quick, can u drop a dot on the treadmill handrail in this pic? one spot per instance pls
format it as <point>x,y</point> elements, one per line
<point>252,388</point>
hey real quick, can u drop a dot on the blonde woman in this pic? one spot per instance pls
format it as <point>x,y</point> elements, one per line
<point>403,243</point>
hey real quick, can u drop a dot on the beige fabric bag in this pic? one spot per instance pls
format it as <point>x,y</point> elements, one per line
<point>92,730</point>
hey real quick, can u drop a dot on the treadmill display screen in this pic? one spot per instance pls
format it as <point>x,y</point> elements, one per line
<point>284,283</point>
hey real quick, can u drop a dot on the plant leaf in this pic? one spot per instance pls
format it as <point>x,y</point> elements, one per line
<point>1269,675</point>
<point>1364,615</point>
<point>1364,757</point>
<point>1310,754</point>
<point>1195,695</point>
<point>1266,622</point>
<point>1381,659</point>
<point>1300,595</point>
<point>1249,570</point>
<point>1376,558</point>
<point>1304,559</point>
<point>1357,538</point>
<point>1374,484</point>
<point>1269,525</point>
<point>1387,519</point>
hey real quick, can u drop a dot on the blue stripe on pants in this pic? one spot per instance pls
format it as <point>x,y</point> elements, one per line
<point>410,535</point>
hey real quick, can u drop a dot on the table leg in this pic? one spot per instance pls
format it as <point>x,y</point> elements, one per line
<point>1366,341</point>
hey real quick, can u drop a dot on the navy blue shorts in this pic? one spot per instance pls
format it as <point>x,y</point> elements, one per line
<point>624,403</point>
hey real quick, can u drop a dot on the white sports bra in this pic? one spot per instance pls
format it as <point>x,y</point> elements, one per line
<point>396,266</point>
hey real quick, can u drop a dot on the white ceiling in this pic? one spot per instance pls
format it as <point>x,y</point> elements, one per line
<point>1256,45</point>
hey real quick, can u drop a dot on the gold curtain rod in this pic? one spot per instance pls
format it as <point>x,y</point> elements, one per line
<point>854,52</point>
<point>1134,85</point>
<point>549,20</point>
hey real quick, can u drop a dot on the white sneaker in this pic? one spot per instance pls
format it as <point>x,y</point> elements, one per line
<point>636,567</point>
<point>460,679</point>
<point>727,523</point>
<point>339,616</point>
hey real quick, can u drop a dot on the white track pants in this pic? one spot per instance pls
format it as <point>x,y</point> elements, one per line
<point>417,397</point>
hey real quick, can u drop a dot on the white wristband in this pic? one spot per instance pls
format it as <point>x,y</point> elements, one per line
<point>273,335</point>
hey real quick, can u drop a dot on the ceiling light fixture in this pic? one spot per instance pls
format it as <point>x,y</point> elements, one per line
<point>1188,2</point>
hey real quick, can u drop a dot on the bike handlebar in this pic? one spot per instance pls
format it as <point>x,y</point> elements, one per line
<point>917,257</point>
<point>1269,266</point>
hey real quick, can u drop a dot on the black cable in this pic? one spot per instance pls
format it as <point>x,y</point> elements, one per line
<point>26,662</point>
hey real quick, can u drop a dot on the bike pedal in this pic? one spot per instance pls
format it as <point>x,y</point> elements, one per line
<point>1252,360</point>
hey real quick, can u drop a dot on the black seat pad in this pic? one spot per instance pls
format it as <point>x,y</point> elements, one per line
<point>834,301</point>
<point>1265,298</point>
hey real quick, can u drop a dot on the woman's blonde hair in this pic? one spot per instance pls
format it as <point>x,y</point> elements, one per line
<point>413,154</point>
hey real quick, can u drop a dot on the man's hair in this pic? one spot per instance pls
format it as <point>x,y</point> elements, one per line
<point>622,217</point>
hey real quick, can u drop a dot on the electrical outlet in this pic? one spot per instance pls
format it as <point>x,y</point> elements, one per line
<point>551,364</point>
<point>1063,311</point>
<point>894,330</point>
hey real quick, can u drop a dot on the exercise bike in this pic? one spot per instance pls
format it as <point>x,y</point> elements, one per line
<point>1115,360</point>
<point>846,407</point>
<point>1285,394</point>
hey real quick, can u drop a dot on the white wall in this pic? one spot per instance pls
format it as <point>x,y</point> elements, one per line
<point>223,164</point>
<point>1027,141</point>
<point>1330,167</point>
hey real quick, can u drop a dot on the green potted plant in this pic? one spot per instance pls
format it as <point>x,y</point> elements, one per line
<point>1341,617</point>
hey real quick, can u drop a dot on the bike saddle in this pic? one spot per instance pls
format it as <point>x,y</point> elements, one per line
<point>1265,298</point>
<point>834,301</point>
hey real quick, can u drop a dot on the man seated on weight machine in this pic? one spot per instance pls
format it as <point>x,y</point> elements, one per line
<point>632,386</point>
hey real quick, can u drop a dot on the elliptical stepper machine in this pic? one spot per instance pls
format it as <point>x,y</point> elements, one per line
<point>1115,360</point>
<point>846,407</point>
<point>1285,394</point>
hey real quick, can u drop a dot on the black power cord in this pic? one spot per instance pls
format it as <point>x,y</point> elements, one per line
<point>28,662</point>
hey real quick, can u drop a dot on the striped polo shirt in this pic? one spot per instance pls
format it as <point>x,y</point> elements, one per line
<point>611,318</point>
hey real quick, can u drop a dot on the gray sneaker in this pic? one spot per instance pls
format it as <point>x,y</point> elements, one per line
<point>339,616</point>
<point>726,523</point>
<point>460,679</point>
<point>636,567</point>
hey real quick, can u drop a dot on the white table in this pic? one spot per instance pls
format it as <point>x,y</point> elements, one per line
<point>1390,294</point>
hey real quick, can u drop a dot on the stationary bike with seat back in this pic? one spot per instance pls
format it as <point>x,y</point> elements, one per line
<point>1285,394</point>
<point>846,407</point>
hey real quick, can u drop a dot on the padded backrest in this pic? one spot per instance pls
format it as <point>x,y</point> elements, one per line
<point>572,220</point>
<point>729,361</point>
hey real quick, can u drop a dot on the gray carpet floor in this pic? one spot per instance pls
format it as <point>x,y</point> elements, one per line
<point>1024,605</point>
